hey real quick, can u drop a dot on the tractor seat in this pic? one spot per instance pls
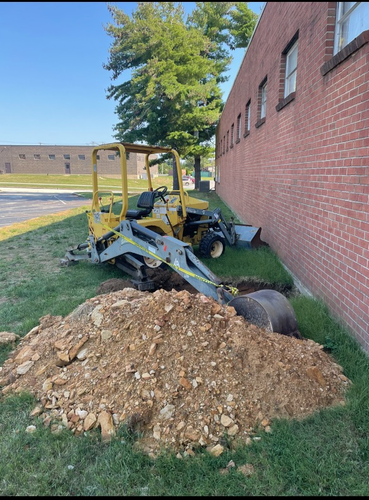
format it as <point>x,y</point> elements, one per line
<point>145,202</point>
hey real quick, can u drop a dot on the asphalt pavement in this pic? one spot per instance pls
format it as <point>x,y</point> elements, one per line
<point>19,205</point>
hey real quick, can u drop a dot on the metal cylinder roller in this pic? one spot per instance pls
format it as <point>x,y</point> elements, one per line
<point>267,309</point>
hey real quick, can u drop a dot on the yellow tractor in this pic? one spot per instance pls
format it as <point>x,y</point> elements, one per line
<point>167,212</point>
<point>162,232</point>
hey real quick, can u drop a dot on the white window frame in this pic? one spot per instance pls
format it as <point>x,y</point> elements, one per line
<point>263,92</point>
<point>232,135</point>
<point>52,157</point>
<point>291,70</point>
<point>239,125</point>
<point>248,116</point>
<point>217,173</point>
<point>352,18</point>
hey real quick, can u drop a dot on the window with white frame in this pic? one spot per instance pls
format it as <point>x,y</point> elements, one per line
<point>238,127</point>
<point>263,94</point>
<point>352,18</point>
<point>232,135</point>
<point>51,157</point>
<point>247,117</point>
<point>291,70</point>
<point>217,173</point>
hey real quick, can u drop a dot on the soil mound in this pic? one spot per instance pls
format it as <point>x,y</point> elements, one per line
<point>177,367</point>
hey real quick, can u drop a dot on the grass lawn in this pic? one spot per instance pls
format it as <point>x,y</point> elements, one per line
<point>77,182</point>
<point>326,454</point>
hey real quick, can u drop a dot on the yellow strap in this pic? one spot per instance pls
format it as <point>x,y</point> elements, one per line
<point>232,290</point>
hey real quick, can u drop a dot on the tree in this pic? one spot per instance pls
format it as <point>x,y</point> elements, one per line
<point>173,69</point>
<point>173,89</point>
<point>227,25</point>
<point>243,21</point>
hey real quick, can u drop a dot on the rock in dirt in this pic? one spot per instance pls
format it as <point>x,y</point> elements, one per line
<point>8,338</point>
<point>176,366</point>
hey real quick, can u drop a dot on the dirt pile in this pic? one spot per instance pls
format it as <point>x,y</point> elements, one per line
<point>176,366</point>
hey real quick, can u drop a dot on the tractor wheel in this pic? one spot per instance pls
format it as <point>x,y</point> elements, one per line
<point>212,245</point>
<point>153,263</point>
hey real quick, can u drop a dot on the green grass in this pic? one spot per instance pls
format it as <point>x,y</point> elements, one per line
<point>326,454</point>
<point>77,182</point>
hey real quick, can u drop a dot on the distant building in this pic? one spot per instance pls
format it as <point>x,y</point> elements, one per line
<point>292,148</point>
<point>68,160</point>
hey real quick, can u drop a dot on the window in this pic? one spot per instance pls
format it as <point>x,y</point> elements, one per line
<point>352,18</point>
<point>247,118</point>
<point>127,156</point>
<point>291,70</point>
<point>22,157</point>
<point>263,94</point>
<point>66,157</point>
<point>288,72</point>
<point>227,140</point>
<point>111,157</point>
<point>51,157</point>
<point>262,102</point>
<point>97,157</point>
<point>238,128</point>
<point>81,157</point>
<point>223,144</point>
<point>217,173</point>
<point>36,157</point>
<point>221,147</point>
<point>232,135</point>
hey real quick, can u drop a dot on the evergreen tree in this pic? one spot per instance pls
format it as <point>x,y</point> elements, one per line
<point>172,70</point>
<point>173,89</point>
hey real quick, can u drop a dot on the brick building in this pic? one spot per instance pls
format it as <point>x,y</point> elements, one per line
<point>68,160</point>
<point>292,148</point>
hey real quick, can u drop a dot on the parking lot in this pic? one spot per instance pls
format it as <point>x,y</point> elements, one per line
<point>21,204</point>
<point>18,205</point>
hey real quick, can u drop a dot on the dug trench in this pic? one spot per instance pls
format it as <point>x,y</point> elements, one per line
<point>178,369</point>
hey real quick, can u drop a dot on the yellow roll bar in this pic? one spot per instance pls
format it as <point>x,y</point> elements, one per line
<point>123,148</point>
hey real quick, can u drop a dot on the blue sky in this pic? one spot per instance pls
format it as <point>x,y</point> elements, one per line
<point>52,81</point>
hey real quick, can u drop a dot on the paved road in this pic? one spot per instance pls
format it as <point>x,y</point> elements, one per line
<point>21,204</point>
<point>18,205</point>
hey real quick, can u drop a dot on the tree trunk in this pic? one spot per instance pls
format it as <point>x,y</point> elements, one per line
<point>175,175</point>
<point>197,168</point>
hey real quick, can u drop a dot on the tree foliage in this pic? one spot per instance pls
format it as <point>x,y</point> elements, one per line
<point>169,71</point>
<point>243,21</point>
<point>172,89</point>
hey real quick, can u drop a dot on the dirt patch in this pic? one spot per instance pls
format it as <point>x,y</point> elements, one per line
<point>164,279</point>
<point>168,280</point>
<point>177,367</point>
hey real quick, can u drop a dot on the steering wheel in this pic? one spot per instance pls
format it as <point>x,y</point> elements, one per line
<point>160,192</point>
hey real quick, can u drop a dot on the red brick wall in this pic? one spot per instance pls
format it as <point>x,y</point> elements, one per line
<point>303,175</point>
